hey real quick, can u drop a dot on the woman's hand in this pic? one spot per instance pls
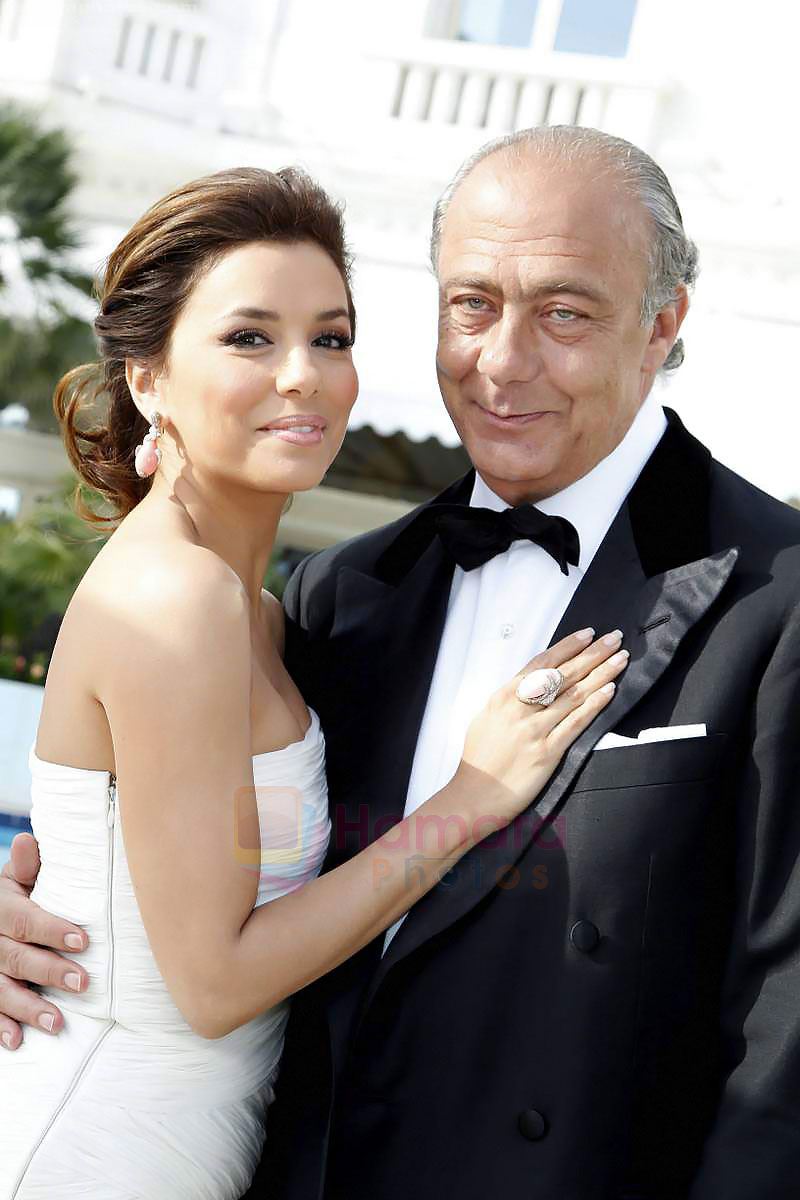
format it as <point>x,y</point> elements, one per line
<point>25,932</point>
<point>515,747</point>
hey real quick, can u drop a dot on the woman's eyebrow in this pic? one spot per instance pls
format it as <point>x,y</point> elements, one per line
<point>253,314</point>
<point>269,314</point>
<point>331,314</point>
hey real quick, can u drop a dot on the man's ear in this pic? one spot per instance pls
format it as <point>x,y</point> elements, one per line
<point>666,327</point>
<point>144,385</point>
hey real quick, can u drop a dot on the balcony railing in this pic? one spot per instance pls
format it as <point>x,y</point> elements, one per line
<point>153,55</point>
<point>439,83</point>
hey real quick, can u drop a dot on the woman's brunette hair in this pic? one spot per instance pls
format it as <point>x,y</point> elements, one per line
<point>147,281</point>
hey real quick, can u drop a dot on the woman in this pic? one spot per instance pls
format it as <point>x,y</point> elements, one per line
<point>226,324</point>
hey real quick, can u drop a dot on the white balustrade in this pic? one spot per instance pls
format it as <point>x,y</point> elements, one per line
<point>416,93</point>
<point>593,106</point>
<point>564,103</point>
<point>445,98</point>
<point>151,54</point>
<point>474,100</point>
<point>436,82</point>
<point>534,102</point>
<point>163,44</point>
<point>503,103</point>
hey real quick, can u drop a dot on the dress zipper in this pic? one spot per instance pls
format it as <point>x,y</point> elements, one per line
<point>112,821</point>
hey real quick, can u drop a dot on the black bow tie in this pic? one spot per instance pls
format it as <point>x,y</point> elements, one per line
<point>473,536</point>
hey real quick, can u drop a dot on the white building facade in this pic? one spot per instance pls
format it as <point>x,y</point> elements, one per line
<point>381,102</point>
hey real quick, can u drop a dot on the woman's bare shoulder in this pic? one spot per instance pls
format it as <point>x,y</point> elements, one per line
<point>146,585</point>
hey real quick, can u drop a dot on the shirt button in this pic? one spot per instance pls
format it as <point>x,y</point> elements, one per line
<point>507,631</point>
<point>532,1125</point>
<point>585,936</point>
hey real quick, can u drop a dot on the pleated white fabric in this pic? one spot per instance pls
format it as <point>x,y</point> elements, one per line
<point>127,1102</point>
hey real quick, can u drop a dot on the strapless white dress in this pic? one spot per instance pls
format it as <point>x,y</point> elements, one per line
<point>127,1102</point>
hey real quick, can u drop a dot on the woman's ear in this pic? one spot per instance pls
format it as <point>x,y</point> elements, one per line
<point>143,383</point>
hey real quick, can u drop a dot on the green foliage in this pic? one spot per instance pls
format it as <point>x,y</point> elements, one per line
<point>35,178</point>
<point>33,357</point>
<point>36,181</point>
<point>42,560</point>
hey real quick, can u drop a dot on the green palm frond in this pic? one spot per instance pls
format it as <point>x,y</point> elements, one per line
<point>36,181</point>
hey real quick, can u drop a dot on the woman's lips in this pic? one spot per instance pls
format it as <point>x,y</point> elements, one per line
<point>298,435</point>
<point>299,429</point>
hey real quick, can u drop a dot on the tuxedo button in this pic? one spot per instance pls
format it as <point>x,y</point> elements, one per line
<point>532,1124</point>
<point>584,936</point>
<point>507,631</point>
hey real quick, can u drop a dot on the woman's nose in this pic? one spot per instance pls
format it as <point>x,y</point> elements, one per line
<point>297,375</point>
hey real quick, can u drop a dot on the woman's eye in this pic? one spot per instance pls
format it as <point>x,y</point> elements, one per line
<point>334,340</point>
<point>247,337</point>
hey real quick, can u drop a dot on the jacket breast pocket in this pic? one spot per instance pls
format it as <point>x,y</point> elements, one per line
<point>683,760</point>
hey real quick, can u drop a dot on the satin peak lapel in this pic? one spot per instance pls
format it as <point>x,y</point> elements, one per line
<point>383,645</point>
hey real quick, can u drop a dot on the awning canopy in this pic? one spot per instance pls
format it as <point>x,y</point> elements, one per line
<point>417,417</point>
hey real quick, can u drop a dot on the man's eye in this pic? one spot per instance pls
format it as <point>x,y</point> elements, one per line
<point>564,315</point>
<point>472,303</point>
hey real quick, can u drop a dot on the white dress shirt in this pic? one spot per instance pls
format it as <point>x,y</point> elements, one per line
<point>502,614</point>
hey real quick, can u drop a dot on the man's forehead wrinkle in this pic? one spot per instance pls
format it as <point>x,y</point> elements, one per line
<point>483,244</point>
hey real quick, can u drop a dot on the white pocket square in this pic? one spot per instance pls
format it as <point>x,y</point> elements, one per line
<point>669,733</point>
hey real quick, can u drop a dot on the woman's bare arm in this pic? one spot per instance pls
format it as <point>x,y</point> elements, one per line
<point>177,695</point>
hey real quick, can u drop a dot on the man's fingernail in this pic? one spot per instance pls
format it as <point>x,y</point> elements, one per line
<point>47,1021</point>
<point>6,1040</point>
<point>73,941</point>
<point>72,980</point>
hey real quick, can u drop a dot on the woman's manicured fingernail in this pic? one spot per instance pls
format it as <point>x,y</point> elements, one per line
<point>585,635</point>
<point>611,639</point>
<point>620,657</point>
<point>47,1021</point>
<point>609,688</point>
<point>73,941</point>
<point>72,980</point>
<point>6,1040</point>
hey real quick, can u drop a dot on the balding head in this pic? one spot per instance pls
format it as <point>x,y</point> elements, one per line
<point>671,255</point>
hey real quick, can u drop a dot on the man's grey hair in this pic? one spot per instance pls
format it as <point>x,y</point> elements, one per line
<point>672,255</point>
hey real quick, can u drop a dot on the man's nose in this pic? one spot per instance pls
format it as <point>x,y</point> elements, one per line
<point>509,353</point>
<point>297,374</point>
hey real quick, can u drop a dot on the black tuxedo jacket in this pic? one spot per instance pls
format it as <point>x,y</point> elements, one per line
<point>603,1001</point>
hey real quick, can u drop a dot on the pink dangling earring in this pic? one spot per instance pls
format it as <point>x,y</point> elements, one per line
<point>148,455</point>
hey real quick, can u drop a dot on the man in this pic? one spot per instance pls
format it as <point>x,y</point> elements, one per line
<point>603,1001</point>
